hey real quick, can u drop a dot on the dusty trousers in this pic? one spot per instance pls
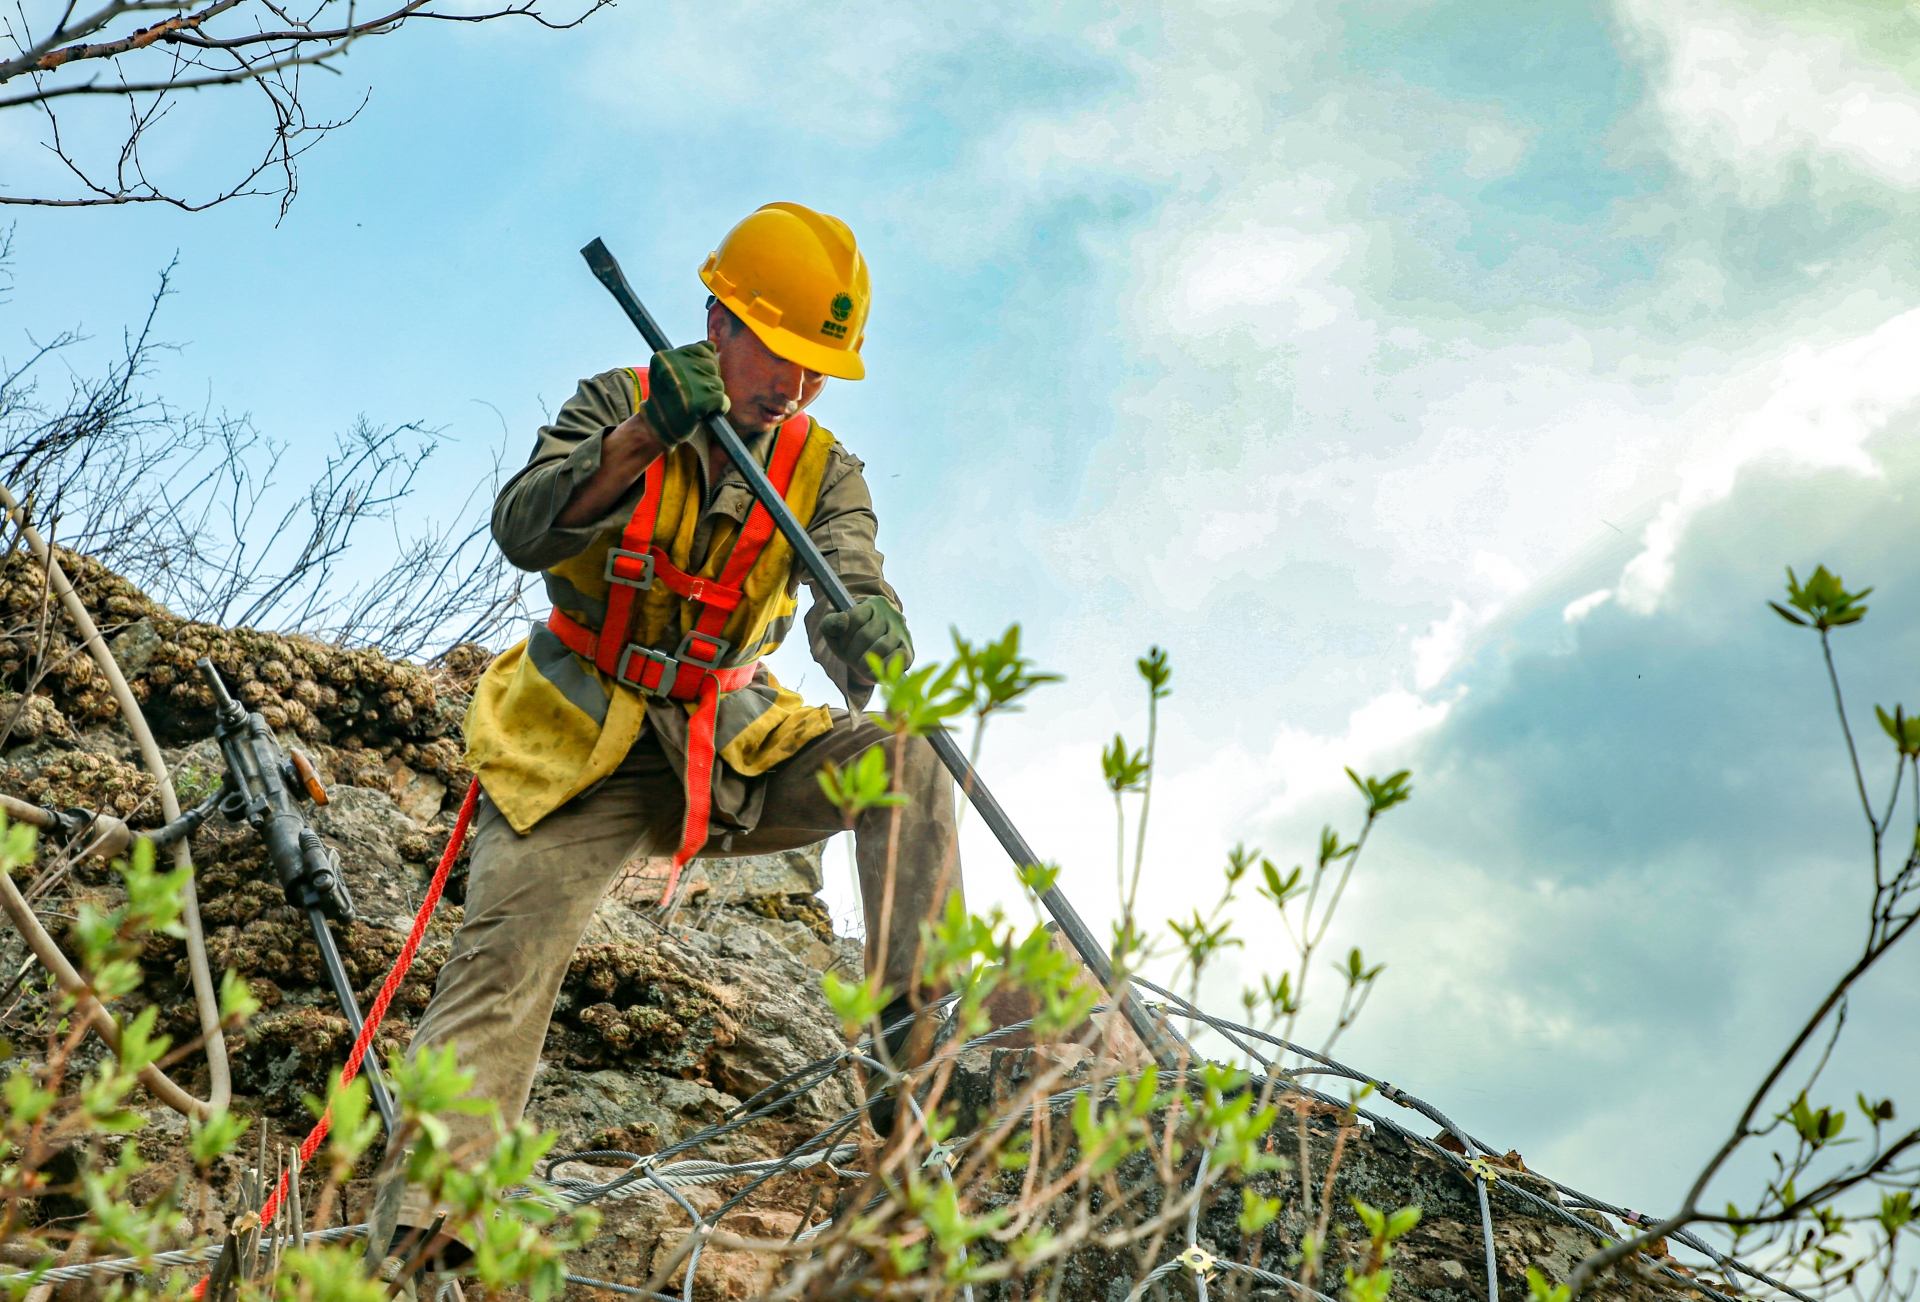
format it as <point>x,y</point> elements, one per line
<point>530,898</point>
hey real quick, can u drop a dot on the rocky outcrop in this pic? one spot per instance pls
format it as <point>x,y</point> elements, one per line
<point>1442,1260</point>
<point>655,1035</point>
<point>664,1026</point>
<point>354,708</point>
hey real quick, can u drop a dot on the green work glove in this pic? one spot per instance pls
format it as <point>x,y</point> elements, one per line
<point>874,626</point>
<point>683,389</point>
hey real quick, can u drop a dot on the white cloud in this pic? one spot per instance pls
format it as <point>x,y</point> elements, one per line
<point>1493,147</point>
<point>1436,651</point>
<point>1266,274</point>
<point>1322,476</point>
<point>1739,93</point>
<point>1580,607</point>
<point>846,72</point>
<point>1814,407</point>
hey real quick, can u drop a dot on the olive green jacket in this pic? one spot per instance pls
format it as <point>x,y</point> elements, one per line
<point>842,525</point>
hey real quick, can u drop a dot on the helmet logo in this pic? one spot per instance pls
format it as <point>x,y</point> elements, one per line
<point>841,308</point>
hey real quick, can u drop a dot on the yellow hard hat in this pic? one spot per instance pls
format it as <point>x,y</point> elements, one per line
<point>797,279</point>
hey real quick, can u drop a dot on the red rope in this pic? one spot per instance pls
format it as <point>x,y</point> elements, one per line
<point>378,1012</point>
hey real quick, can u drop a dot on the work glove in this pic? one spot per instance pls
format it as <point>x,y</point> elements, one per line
<point>874,626</point>
<point>683,389</point>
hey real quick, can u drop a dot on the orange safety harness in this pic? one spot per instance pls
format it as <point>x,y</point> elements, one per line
<point>692,671</point>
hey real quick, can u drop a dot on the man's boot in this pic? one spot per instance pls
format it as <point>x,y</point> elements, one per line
<point>909,1045</point>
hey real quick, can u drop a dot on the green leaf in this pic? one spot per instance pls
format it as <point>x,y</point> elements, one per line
<point>1373,1286</point>
<point>995,675</point>
<point>1331,851</point>
<point>1279,995</point>
<point>1401,1221</point>
<point>1256,1213</point>
<point>237,1003</point>
<point>1202,939</point>
<point>862,785</point>
<point>1824,599</point>
<point>1239,860</point>
<point>214,1137</point>
<point>1372,1217</point>
<point>1039,878</point>
<point>919,701</point>
<point>336,1273</point>
<point>139,1046</point>
<point>1155,668</point>
<point>1904,731</point>
<point>1896,1211</point>
<point>1356,972</point>
<point>855,1003</point>
<point>1280,889</point>
<point>1124,770</point>
<point>1876,1112</point>
<point>1538,1290</point>
<point>1382,793</point>
<point>26,1102</point>
<point>17,847</point>
<point>351,1129</point>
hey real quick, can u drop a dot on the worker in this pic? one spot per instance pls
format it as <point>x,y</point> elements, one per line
<point>638,719</point>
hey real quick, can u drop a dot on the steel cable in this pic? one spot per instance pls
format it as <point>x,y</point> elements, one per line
<point>824,1148</point>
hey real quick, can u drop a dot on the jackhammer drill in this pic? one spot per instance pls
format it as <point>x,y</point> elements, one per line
<point>260,787</point>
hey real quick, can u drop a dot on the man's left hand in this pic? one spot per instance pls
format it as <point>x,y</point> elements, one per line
<point>874,626</point>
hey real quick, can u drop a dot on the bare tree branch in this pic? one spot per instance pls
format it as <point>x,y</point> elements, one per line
<point>185,505</point>
<point>104,54</point>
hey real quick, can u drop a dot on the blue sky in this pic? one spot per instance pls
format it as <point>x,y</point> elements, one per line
<point>1445,384</point>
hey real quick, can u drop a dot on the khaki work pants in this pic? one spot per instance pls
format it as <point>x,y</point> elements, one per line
<point>530,898</point>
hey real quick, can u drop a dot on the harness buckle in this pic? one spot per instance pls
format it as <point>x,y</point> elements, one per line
<point>614,554</point>
<point>686,654</point>
<point>669,669</point>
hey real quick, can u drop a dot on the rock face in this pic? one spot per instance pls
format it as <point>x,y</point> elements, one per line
<point>658,1033</point>
<point>763,897</point>
<point>654,1036</point>
<point>354,707</point>
<point>1442,1260</point>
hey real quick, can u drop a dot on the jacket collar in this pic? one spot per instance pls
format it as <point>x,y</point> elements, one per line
<point>730,496</point>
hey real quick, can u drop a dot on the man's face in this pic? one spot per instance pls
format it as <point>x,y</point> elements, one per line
<point>764,389</point>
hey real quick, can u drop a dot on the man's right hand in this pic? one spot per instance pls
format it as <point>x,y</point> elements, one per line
<point>684,388</point>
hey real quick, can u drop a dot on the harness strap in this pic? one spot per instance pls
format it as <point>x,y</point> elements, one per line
<point>757,531</point>
<point>677,677</point>
<point>630,567</point>
<point>652,673</point>
<point>691,672</point>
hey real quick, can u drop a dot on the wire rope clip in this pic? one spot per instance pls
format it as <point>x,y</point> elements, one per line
<point>1196,1259</point>
<point>1483,1170</point>
<point>941,1155</point>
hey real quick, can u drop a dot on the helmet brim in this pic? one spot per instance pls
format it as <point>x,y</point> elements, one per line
<point>840,363</point>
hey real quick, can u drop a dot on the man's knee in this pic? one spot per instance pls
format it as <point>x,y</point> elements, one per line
<point>919,764</point>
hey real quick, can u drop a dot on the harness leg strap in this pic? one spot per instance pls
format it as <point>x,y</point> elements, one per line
<point>700,753</point>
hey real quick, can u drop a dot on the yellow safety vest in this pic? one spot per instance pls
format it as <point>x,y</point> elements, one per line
<point>558,711</point>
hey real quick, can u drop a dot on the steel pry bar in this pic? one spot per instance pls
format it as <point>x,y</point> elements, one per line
<point>1160,1040</point>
